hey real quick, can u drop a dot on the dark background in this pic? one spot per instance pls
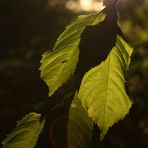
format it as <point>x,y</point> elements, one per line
<point>30,27</point>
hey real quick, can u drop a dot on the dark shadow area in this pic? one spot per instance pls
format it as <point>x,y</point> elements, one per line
<point>27,30</point>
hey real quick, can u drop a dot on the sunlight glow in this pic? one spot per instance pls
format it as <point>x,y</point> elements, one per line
<point>85,5</point>
<point>91,5</point>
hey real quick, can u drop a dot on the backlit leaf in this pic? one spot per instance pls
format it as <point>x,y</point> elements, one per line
<point>59,64</point>
<point>26,133</point>
<point>102,91</point>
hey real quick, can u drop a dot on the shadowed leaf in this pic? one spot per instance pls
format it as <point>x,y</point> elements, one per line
<point>80,126</point>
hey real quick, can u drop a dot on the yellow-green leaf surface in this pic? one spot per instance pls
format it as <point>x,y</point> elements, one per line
<point>26,133</point>
<point>59,64</point>
<point>102,90</point>
<point>80,126</point>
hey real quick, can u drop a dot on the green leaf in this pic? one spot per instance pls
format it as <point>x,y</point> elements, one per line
<point>80,126</point>
<point>102,90</point>
<point>26,133</point>
<point>57,66</point>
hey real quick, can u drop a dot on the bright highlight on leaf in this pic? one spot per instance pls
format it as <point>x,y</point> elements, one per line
<point>102,90</point>
<point>57,66</point>
<point>26,133</point>
<point>80,126</point>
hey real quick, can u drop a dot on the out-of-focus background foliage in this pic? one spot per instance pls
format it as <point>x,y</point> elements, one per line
<point>30,27</point>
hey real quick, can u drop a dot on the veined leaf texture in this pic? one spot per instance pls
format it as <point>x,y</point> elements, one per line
<point>102,90</point>
<point>59,64</point>
<point>26,133</point>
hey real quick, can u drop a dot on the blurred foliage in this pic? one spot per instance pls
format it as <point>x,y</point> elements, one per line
<point>28,28</point>
<point>134,22</point>
<point>135,25</point>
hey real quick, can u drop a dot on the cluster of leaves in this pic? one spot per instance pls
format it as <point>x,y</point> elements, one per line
<point>101,97</point>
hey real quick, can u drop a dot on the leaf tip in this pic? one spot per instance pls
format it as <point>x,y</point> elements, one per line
<point>103,133</point>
